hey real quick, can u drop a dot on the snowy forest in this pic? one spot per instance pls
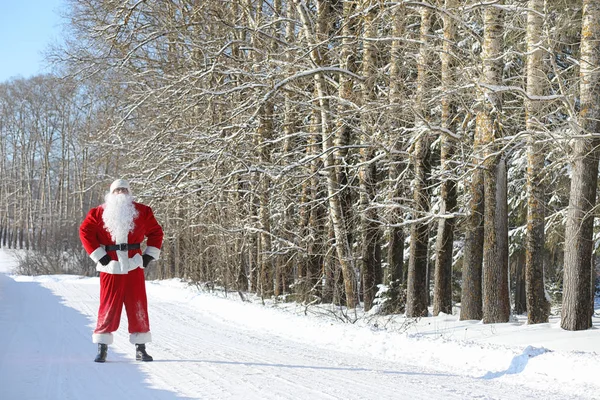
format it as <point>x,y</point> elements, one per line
<point>364,153</point>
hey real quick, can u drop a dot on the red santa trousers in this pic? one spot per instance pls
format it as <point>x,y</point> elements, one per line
<point>117,290</point>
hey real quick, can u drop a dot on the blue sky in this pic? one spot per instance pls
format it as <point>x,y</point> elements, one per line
<point>27,27</point>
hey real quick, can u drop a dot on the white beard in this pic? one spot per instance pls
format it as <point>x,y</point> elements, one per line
<point>118,216</point>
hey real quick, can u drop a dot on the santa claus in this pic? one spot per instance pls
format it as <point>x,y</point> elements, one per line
<point>112,235</point>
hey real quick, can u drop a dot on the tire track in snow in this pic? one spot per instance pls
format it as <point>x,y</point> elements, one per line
<point>202,357</point>
<point>329,372</point>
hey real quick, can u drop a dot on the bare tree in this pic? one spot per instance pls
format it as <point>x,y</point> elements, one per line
<point>251,143</point>
<point>335,211</point>
<point>371,248</point>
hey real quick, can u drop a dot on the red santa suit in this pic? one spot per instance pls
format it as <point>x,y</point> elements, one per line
<point>122,281</point>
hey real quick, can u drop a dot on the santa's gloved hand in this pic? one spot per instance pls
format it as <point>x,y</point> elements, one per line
<point>105,260</point>
<point>147,258</point>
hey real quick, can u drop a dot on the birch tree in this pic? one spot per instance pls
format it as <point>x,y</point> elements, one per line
<point>335,211</point>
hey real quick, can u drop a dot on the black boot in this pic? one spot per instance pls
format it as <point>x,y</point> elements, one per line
<point>102,352</point>
<point>140,353</point>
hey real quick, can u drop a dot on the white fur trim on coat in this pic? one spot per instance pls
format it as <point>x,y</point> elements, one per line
<point>98,254</point>
<point>140,338</point>
<point>104,338</point>
<point>153,252</point>
<point>121,268</point>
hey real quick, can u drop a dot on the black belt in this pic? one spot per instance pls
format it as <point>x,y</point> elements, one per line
<point>122,246</point>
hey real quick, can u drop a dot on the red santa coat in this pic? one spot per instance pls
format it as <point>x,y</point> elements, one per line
<point>95,237</point>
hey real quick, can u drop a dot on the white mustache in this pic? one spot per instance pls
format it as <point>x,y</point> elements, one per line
<point>119,215</point>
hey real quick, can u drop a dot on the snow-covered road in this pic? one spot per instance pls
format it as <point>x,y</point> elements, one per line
<point>200,353</point>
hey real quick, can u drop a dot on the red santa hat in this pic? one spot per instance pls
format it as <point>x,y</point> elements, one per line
<point>119,183</point>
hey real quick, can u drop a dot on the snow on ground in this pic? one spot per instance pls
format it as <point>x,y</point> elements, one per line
<point>207,346</point>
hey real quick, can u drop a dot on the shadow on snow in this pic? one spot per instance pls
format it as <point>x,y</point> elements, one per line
<point>46,352</point>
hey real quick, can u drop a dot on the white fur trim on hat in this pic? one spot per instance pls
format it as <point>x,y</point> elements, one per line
<point>140,338</point>
<point>119,183</point>
<point>104,338</point>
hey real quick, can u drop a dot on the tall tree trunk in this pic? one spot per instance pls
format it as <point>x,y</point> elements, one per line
<point>316,223</point>
<point>284,277</point>
<point>472,269</point>
<point>496,301</point>
<point>537,305</point>
<point>577,283</point>
<point>371,248</point>
<point>335,211</point>
<point>395,250</point>
<point>442,295</point>
<point>265,133</point>
<point>417,296</point>
<point>519,261</point>
<point>346,116</point>
<point>306,196</point>
<point>264,136</point>
<point>253,248</point>
<point>329,269</point>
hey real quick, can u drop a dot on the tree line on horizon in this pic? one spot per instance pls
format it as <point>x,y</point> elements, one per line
<point>397,155</point>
